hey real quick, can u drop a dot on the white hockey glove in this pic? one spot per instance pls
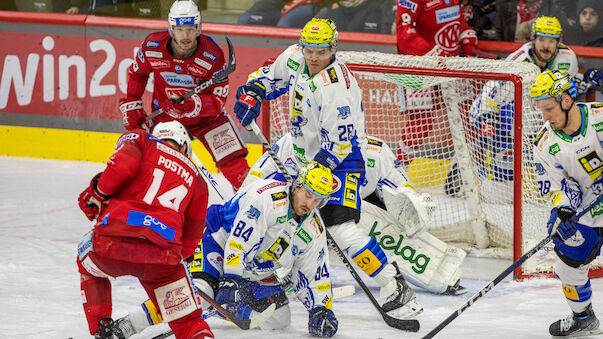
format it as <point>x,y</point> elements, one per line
<point>410,209</point>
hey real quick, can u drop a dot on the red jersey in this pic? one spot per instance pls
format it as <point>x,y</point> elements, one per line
<point>173,76</point>
<point>156,193</point>
<point>422,25</point>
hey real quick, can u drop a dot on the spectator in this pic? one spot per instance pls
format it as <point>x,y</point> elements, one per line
<point>119,8</point>
<point>588,30</point>
<point>513,21</point>
<point>481,18</point>
<point>281,13</point>
<point>43,6</point>
<point>369,16</point>
<point>527,12</point>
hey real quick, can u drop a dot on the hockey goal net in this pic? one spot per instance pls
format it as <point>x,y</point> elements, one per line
<point>457,125</point>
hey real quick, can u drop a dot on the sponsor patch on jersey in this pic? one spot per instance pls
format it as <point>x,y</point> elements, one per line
<point>598,126</point>
<point>208,55</point>
<point>303,235</point>
<point>153,54</point>
<point>294,65</point>
<point>203,63</point>
<point>152,44</point>
<point>408,4</point>
<point>136,218</point>
<point>344,112</point>
<point>159,63</point>
<point>539,168</point>
<point>174,79</point>
<point>282,219</point>
<point>318,225</point>
<point>597,210</point>
<point>253,213</point>
<point>233,260</point>
<point>554,149</point>
<point>278,196</point>
<point>185,21</point>
<point>140,55</point>
<point>370,163</point>
<point>374,142</point>
<point>235,245</point>
<point>127,137</point>
<point>178,68</point>
<point>332,74</point>
<point>271,185</point>
<point>447,14</point>
<point>312,86</point>
<point>563,66</point>
<point>431,3</point>
<point>592,164</point>
<point>196,70</point>
<point>596,109</point>
<point>276,251</point>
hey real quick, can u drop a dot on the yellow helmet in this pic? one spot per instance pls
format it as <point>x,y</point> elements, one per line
<point>316,178</point>
<point>552,84</point>
<point>319,33</point>
<point>546,26</point>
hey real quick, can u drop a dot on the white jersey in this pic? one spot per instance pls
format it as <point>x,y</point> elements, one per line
<point>325,107</point>
<point>382,166</point>
<point>259,236</point>
<point>565,59</point>
<point>569,169</point>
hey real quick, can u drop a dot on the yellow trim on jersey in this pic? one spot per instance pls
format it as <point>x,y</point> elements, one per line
<point>64,144</point>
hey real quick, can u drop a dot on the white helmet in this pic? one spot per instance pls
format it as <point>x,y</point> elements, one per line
<point>173,130</point>
<point>184,13</point>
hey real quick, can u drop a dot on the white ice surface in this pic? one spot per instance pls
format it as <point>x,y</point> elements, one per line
<point>40,225</point>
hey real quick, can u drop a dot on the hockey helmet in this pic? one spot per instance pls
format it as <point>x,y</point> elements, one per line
<point>317,178</point>
<point>319,33</point>
<point>546,26</point>
<point>173,130</point>
<point>552,84</point>
<point>184,13</point>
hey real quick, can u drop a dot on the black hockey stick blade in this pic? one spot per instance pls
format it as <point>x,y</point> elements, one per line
<point>411,325</point>
<point>506,272</point>
<point>219,76</point>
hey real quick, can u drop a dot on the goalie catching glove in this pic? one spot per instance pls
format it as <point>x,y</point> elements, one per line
<point>91,200</point>
<point>322,322</point>
<point>410,209</point>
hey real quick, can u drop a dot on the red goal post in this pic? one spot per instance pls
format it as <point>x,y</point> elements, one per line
<point>454,125</point>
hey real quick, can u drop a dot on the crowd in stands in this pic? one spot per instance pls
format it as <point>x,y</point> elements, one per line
<point>502,20</point>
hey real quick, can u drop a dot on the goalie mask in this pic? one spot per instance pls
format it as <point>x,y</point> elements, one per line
<point>173,130</point>
<point>184,13</point>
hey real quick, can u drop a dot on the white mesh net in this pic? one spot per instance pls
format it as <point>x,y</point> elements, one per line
<point>454,132</point>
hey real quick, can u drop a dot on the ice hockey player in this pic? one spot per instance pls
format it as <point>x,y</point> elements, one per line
<point>149,205</point>
<point>546,50</point>
<point>180,60</point>
<point>391,208</point>
<point>568,156</point>
<point>327,126</point>
<point>434,27</point>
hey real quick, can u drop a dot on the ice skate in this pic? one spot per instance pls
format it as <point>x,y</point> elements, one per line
<point>401,302</point>
<point>577,325</point>
<point>456,289</point>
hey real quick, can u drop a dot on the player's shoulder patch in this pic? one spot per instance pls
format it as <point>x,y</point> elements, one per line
<point>374,142</point>
<point>317,223</point>
<point>332,74</point>
<point>270,185</point>
<point>540,135</point>
<point>128,137</point>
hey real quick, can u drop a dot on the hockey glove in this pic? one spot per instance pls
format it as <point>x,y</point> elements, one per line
<point>133,114</point>
<point>594,78</point>
<point>235,293</point>
<point>322,322</point>
<point>249,103</point>
<point>189,107</point>
<point>468,41</point>
<point>567,226</point>
<point>91,200</point>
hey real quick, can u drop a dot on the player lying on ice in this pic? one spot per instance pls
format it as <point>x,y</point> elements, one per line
<point>393,213</point>
<point>568,159</point>
<point>267,226</point>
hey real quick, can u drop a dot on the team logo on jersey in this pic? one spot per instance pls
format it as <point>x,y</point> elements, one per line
<point>332,74</point>
<point>344,112</point>
<point>208,55</point>
<point>408,4</point>
<point>152,44</point>
<point>155,63</point>
<point>592,164</point>
<point>278,196</point>
<point>447,14</point>
<point>539,168</point>
<point>294,65</point>
<point>178,68</point>
<point>253,213</point>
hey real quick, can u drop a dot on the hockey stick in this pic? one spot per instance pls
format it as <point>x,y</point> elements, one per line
<point>221,75</point>
<point>207,175</point>
<point>508,271</point>
<point>406,325</point>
